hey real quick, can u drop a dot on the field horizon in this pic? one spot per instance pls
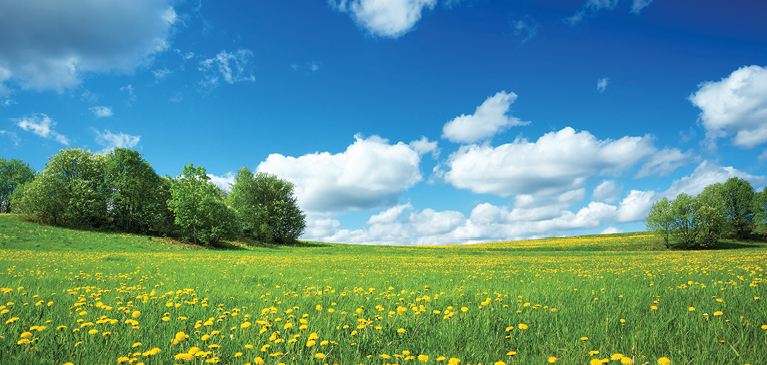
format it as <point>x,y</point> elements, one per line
<point>80,297</point>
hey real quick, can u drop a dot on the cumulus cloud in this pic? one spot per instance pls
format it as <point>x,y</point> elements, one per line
<point>557,162</point>
<point>111,140</point>
<point>611,230</point>
<point>424,146</point>
<point>635,206</point>
<point>404,226</point>
<point>384,18</point>
<point>489,119</point>
<point>607,191</point>
<point>664,162</point>
<point>224,182</point>
<point>602,84</point>
<point>101,111</point>
<point>370,173</point>
<point>50,44</point>
<point>232,67</point>
<point>707,173</point>
<point>41,125</point>
<point>737,105</point>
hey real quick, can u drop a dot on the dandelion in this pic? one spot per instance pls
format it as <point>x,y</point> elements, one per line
<point>691,309</point>
<point>595,362</point>
<point>522,326</point>
<point>627,361</point>
<point>26,334</point>
<point>453,361</point>
<point>509,328</point>
<point>401,330</point>
<point>500,363</point>
<point>184,356</point>
<point>137,344</point>
<point>616,357</point>
<point>718,313</point>
<point>511,353</point>
<point>552,360</point>
<point>464,309</point>
<point>23,341</point>
<point>423,358</point>
<point>664,361</point>
<point>320,355</point>
<point>136,314</point>
<point>584,338</point>
<point>258,361</point>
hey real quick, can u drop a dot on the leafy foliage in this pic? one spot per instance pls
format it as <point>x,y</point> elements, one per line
<point>71,191</point>
<point>266,207</point>
<point>199,208</point>
<point>13,173</point>
<point>138,200</point>
<point>661,219</point>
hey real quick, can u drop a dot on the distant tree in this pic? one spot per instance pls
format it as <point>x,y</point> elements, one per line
<point>137,197</point>
<point>737,203</point>
<point>697,224</point>
<point>71,191</point>
<point>661,220</point>
<point>13,173</point>
<point>199,208</point>
<point>759,206</point>
<point>266,207</point>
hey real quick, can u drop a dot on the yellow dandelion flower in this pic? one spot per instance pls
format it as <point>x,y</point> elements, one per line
<point>500,363</point>
<point>401,330</point>
<point>627,361</point>
<point>137,344</point>
<point>511,353</point>
<point>464,309</point>
<point>616,357</point>
<point>26,334</point>
<point>320,355</point>
<point>136,314</point>
<point>385,356</point>
<point>595,362</point>
<point>552,360</point>
<point>522,326</point>
<point>453,361</point>
<point>584,338</point>
<point>423,358</point>
<point>23,341</point>
<point>664,361</point>
<point>122,360</point>
<point>718,313</point>
<point>593,353</point>
<point>93,332</point>
<point>258,361</point>
<point>691,309</point>
<point>184,356</point>
<point>441,358</point>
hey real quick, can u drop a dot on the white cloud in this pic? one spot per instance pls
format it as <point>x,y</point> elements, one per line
<point>15,138</point>
<point>101,111</point>
<point>557,162</point>
<point>489,119</point>
<point>635,206</point>
<point>638,5</point>
<point>763,156</point>
<point>232,67</point>
<point>611,230</point>
<point>607,191</point>
<point>7,102</point>
<point>664,162</point>
<point>111,141</point>
<point>526,27</point>
<point>51,44</point>
<point>161,74</point>
<point>370,173</point>
<point>131,94</point>
<point>41,125</point>
<point>735,105</point>
<point>487,222</point>
<point>224,182</point>
<point>593,7</point>
<point>423,146</point>
<point>707,173</point>
<point>384,18</point>
<point>602,84</point>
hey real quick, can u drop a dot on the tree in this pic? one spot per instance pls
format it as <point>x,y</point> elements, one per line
<point>13,173</point>
<point>697,223</point>
<point>266,207</point>
<point>138,196</point>
<point>70,191</point>
<point>201,214</point>
<point>737,196</point>
<point>661,219</point>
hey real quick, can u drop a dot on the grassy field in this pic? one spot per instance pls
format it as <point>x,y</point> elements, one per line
<point>93,298</point>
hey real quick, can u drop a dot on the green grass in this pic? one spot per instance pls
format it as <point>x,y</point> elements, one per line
<point>580,287</point>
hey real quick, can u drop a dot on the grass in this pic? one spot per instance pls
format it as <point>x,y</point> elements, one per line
<point>528,302</point>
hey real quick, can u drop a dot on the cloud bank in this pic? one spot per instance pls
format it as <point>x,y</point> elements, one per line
<point>55,48</point>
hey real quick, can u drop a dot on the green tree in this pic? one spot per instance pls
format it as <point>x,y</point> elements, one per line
<point>697,223</point>
<point>71,191</point>
<point>13,173</point>
<point>267,207</point>
<point>661,220</point>
<point>737,201</point>
<point>199,208</point>
<point>138,199</point>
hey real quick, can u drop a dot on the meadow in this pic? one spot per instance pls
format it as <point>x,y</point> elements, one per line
<point>73,297</point>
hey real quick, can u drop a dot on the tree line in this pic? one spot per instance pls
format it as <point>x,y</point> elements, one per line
<point>120,191</point>
<point>729,210</point>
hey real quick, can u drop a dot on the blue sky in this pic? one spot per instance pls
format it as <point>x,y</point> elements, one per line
<point>405,121</point>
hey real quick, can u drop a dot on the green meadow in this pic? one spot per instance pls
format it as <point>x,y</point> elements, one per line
<point>79,297</point>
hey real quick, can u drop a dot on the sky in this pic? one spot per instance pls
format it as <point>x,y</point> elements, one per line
<point>406,122</point>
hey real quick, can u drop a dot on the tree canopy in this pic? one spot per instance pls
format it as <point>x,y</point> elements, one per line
<point>13,173</point>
